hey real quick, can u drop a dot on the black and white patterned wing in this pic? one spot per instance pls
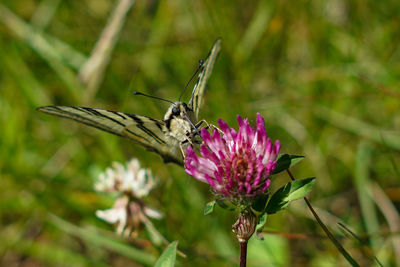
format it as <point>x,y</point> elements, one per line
<point>198,91</point>
<point>143,130</point>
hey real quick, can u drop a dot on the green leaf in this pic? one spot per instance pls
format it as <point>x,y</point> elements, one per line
<point>258,207</point>
<point>285,161</point>
<point>289,192</point>
<point>209,207</point>
<point>300,188</point>
<point>168,257</point>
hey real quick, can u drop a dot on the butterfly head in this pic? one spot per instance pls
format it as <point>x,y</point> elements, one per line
<point>178,110</point>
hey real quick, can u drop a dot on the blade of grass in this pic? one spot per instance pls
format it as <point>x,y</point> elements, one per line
<point>168,257</point>
<point>299,132</point>
<point>61,157</point>
<point>358,127</point>
<point>32,89</point>
<point>151,56</point>
<point>255,30</point>
<point>361,179</point>
<point>326,230</point>
<point>55,48</point>
<point>92,71</point>
<point>69,55</point>
<point>15,239</point>
<point>366,247</point>
<point>44,13</point>
<point>98,240</point>
<point>158,236</point>
<point>43,48</point>
<point>391,215</point>
<point>392,159</point>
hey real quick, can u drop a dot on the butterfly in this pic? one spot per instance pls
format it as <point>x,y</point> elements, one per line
<point>168,137</point>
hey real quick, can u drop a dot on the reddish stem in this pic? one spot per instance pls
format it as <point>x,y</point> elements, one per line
<point>243,253</point>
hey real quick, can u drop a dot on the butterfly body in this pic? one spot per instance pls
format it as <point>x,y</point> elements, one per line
<point>167,137</point>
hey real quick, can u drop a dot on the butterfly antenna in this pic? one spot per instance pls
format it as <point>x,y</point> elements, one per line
<point>201,63</point>
<point>155,97</point>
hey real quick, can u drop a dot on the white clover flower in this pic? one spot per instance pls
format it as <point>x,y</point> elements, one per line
<point>131,180</point>
<point>129,210</point>
<point>117,215</point>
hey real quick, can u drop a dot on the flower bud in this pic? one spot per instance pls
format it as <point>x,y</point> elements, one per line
<point>245,226</point>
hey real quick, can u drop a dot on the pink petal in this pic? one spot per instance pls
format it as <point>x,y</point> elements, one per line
<point>277,148</point>
<point>226,129</point>
<point>210,181</point>
<point>266,185</point>
<point>204,151</point>
<point>205,135</point>
<point>248,188</point>
<point>267,151</point>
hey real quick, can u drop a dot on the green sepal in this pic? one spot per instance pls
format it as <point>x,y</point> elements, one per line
<point>289,192</point>
<point>262,220</point>
<point>285,161</point>
<point>209,208</point>
<point>226,204</point>
<point>258,206</point>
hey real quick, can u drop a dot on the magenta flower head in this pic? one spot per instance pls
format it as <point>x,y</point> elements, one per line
<point>237,165</point>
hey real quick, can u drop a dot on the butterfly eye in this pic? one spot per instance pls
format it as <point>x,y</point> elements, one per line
<point>175,111</point>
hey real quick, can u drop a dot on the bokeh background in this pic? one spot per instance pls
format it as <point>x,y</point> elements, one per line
<point>324,74</point>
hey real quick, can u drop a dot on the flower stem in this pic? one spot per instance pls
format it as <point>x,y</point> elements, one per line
<point>243,253</point>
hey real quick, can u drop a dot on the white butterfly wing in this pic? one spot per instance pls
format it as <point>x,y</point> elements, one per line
<point>143,130</point>
<point>198,91</point>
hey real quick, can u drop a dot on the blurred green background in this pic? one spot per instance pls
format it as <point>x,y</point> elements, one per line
<point>324,74</point>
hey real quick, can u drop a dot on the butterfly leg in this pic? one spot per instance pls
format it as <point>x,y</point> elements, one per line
<point>182,151</point>
<point>181,144</point>
<point>208,126</point>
